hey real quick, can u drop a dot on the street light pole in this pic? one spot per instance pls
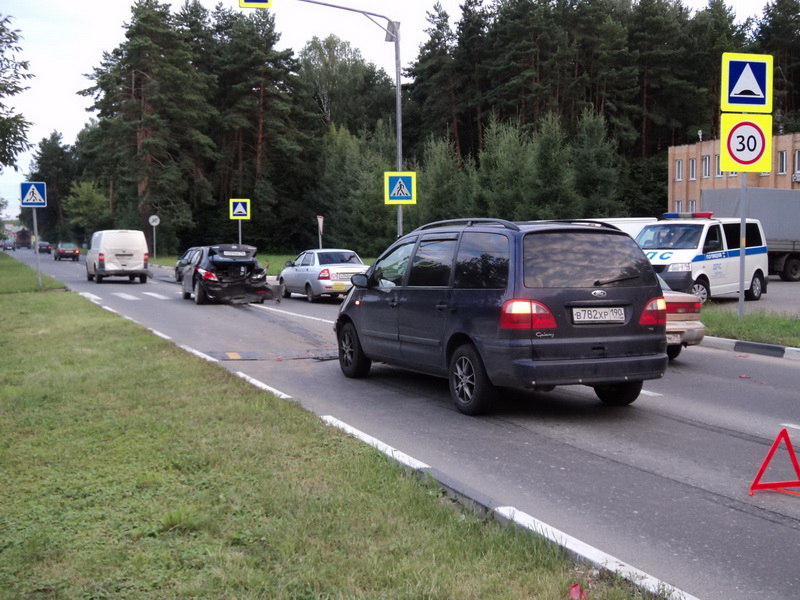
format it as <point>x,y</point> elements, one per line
<point>392,30</point>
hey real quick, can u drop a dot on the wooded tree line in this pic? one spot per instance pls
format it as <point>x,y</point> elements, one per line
<point>525,109</point>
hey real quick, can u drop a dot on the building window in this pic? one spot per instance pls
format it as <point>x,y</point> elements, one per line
<point>782,162</point>
<point>678,205</point>
<point>797,161</point>
<point>679,170</point>
<point>692,169</point>
<point>692,205</point>
<point>706,166</point>
<point>718,165</point>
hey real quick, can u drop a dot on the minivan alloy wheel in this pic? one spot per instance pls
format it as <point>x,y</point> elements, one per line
<point>470,387</point>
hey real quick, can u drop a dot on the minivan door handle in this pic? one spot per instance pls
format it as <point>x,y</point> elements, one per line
<point>392,302</point>
<point>443,306</point>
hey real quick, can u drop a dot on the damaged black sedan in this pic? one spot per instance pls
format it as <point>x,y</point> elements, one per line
<point>227,273</point>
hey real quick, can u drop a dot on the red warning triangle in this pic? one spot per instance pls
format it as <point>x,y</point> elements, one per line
<point>777,485</point>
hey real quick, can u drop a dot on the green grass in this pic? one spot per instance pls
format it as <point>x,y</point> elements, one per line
<point>130,469</point>
<point>18,277</point>
<point>756,326</point>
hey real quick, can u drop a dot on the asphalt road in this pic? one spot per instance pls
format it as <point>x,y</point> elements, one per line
<point>661,484</point>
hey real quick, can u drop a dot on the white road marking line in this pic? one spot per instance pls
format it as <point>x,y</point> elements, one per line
<point>154,295</point>
<point>791,425</point>
<point>197,353</point>
<point>592,554</point>
<point>286,312</point>
<point>161,335</point>
<point>400,457</point>
<point>111,310</point>
<point>91,297</point>
<point>263,386</point>
<point>131,319</point>
<point>125,296</point>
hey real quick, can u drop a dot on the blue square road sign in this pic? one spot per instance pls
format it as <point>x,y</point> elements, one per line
<point>33,194</point>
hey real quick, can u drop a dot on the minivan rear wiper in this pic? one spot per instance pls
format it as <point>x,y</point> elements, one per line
<point>621,278</point>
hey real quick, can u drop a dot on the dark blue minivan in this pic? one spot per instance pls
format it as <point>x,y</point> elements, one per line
<point>489,302</point>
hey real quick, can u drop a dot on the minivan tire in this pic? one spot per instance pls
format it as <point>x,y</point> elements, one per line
<point>618,394</point>
<point>98,278</point>
<point>142,278</point>
<point>673,351</point>
<point>352,360</point>
<point>755,290</point>
<point>470,388</point>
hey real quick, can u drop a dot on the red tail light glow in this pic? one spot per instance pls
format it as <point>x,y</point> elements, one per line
<point>206,274</point>
<point>324,274</point>
<point>146,257</point>
<point>101,257</point>
<point>683,308</point>
<point>655,313</point>
<point>526,314</point>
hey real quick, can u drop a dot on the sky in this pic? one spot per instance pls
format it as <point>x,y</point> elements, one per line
<point>65,40</point>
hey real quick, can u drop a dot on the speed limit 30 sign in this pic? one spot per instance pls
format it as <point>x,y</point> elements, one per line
<point>746,143</point>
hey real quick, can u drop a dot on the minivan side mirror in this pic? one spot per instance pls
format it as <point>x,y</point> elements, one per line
<point>359,280</point>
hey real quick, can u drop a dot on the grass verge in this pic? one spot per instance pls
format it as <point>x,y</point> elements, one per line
<point>18,277</point>
<point>130,469</point>
<point>756,326</point>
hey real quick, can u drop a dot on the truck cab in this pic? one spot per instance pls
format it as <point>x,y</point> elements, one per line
<point>698,254</point>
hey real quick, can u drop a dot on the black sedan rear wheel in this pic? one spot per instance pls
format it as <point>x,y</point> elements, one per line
<point>199,293</point>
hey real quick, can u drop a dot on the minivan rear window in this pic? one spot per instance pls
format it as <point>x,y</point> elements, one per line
<point>584,259</point>
<point>482,261</point>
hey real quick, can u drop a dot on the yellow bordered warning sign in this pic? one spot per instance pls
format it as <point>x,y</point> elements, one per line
<point>400,187</point>
<point>240,208</point>
<point>746,143</point>
<point>746,83</point>
<point>255,3</point>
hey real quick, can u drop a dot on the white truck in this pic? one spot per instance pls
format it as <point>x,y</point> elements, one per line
<point>779,213</point>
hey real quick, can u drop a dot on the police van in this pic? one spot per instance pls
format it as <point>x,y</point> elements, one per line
<point>696,253</point>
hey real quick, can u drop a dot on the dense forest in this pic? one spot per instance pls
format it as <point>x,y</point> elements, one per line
<point>526,109</point>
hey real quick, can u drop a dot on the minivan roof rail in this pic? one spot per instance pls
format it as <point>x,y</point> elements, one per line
<point>470,223</point>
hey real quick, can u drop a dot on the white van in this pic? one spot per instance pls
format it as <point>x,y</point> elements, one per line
<point>699,254</point>
<point>630,225</point>
<point>117,253</point>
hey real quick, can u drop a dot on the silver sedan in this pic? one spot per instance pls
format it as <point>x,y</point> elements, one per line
<point>322,272</point>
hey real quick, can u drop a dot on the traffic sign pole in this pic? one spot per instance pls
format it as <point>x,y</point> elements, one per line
<point>36,248</point>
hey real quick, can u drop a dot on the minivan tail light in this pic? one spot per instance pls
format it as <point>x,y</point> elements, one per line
<point>526,314</point>
<point>324,274</point>
<point>101,257</point>
<point>655,313</point>
<point>146,257</point>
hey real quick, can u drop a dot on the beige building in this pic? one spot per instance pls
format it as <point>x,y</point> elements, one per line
<point>695,167</point>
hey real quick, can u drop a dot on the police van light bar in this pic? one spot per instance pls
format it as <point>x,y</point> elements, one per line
<point>688,215</point>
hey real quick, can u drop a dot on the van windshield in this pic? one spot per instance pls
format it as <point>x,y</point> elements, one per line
<point>578,260</point>
<point>676,236</point>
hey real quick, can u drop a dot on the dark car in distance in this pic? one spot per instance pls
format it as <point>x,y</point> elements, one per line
<point>489,302</point>
<point>227,273</point>
<point>8,245</point>
<point>44,247</point>
<point>67,250</point>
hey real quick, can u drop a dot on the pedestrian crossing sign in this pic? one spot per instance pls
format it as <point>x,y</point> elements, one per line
<point>240,209</point>
<point>746,83</point>
<point>33,194</point>
<point>255,3</point>
<point>400,187</point>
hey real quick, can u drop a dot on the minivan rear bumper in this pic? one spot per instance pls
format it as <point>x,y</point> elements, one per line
<point>525,372</point>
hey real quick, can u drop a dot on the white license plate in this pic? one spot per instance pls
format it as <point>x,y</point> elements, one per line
<point>233,253</point>
<point>673,338</point>
<point>606,314</point>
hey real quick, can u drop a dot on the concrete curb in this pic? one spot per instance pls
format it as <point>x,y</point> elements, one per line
<point>751,348</point>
